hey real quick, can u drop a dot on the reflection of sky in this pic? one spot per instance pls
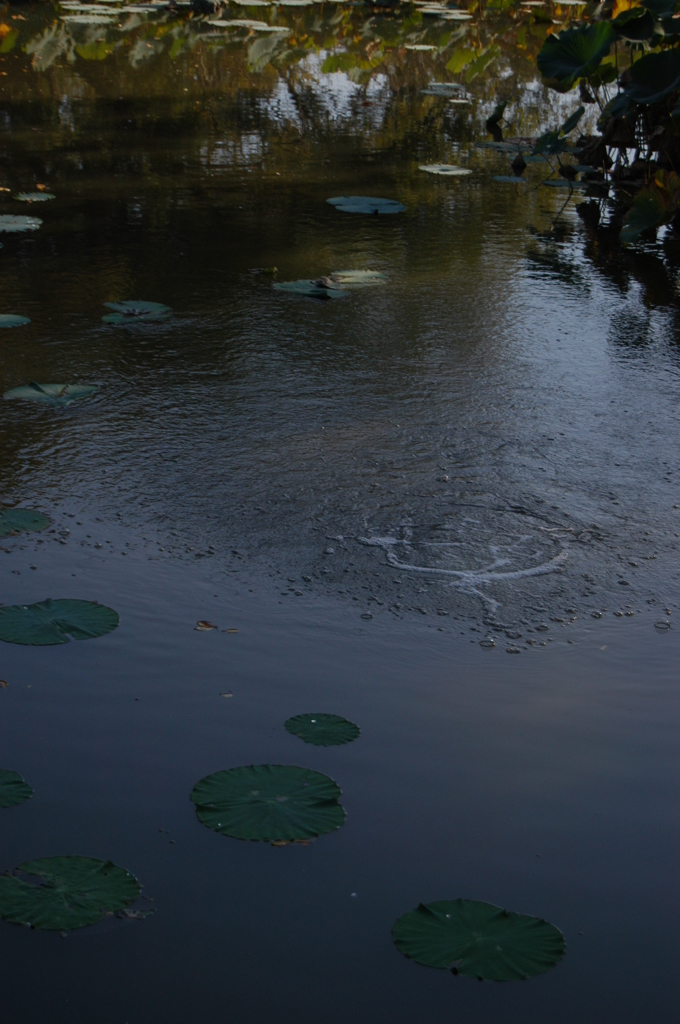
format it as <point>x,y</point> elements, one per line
<point>335,93</point>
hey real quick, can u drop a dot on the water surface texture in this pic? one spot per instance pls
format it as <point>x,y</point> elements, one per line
<point>391,496</point>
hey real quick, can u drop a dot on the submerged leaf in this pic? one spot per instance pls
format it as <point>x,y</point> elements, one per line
<point>322,730</point>
<point>12,223</point>
<point>269,802</point>
<point>13,789</point>
<point>20,520</point>
<point>366,204</point>
<point>12,320</point>
<point>133,312</point>
<point>479,940</point>
<point>68,892</point>
<point>574,54</point>
<point>55,622</point>
<point>51,394</point>
<point>450,170</point>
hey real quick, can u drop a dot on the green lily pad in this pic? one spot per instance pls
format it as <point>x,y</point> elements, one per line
<point>10,223</point>
<point>12,320</point>
<point>322,730</point>
<point>20,520</point>
<point>311,289</point>
<point>65,892</point>
<point>509,179</point>
<point>564,183</point>
<point>55,622</point>
<point>13,789</point>
<point>34,197</point>
<point>654,77</point>
<point>574,54</point>
<point>269,803</point>
<point>366,204</point>
<point>134,312</point>
<point>479,940</point>
<point>450,170</point>
<point>51,394</point>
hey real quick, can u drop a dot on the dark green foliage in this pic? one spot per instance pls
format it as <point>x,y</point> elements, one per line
<point>654,77</point>
<point>574,54</point>
<point>269,803</point>
<point>20,520</point>
<point>478,939</point>
<point>13,789</point>
<point>55,622</point>
<point>322,730</point>
<point>68,892</point>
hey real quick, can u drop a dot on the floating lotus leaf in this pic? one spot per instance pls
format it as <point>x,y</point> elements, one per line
<point>654,77</point>
<point>563,183</point>
<point>311,289</point>
<point>269,803</point>
<point>509,179</point>
<point>355,278</point>
<point>34,197</point>
<point>256,26</point>
<point>20,520</point>
<point>450,170</point>
<point>134,312</point>
<point>322,730</point>
<point>55,622</point>
<point>12,320</point>
<point>13,789</point>
<point>10,223</point>
<point>574,54</point>
<point>51,394</point>
<point>442,89</point>
<point>478,939</point>
<point>65,892</point>
<point>366,204</point>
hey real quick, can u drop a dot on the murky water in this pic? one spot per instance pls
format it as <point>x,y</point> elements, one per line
<point>483,448</point>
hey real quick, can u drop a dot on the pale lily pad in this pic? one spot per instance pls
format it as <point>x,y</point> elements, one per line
<point>55,622</point>
<point>355,278</point>
<point>13,789</point>
<point>134,312</point>
<point>322,730</point>
<point>450,170</point>
<point>310,289</point>
<point>11,320</point>
<point>34,197</point>
<point>442,89</point>
<point>269,803</point>
<point>419,47</point>
<point>11,223</point>
<point>256,26</point>
<point>21,520</point>
<point>366,204</point>
<point>51,394</point>
<point>478,939</point>
<point>65,892</point>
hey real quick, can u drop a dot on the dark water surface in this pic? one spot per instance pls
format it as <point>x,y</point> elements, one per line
<point>483,448</point>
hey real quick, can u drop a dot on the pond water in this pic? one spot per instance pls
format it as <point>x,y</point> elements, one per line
<point>445,506</point>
